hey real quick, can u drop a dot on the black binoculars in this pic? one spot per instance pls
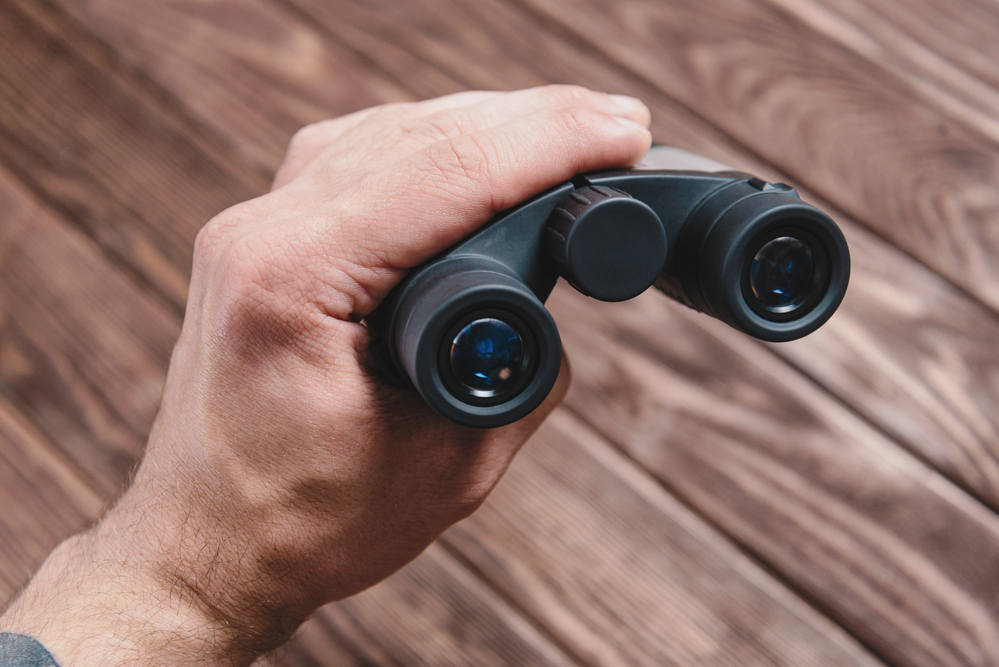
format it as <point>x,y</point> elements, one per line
<point>469,330</point>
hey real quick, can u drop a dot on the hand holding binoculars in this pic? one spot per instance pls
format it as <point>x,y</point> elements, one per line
<point>469,330</point>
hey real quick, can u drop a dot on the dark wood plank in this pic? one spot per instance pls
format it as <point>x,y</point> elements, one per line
<point>848,130</point>
<point>83,352</point>
<point>935,425</point>
<point>899,556</point>
<point>249,69</point>
<point>945,51</point>
<point>908,351</point>
<point>436,597</point>
<point>106,154</point>
<point>694,136</point>
<point>622,574</point>
<point>320,643</point>
<point>913,355</point>
<point>433,612</point>
<point>43,498</point>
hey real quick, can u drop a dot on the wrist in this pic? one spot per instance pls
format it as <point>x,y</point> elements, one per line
<point>100,599</point>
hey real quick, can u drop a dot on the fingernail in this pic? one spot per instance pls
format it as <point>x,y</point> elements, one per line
<point>628,102</point>
<point>627,122</point>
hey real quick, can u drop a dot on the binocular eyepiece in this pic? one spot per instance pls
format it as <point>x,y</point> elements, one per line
<point>469,329</point>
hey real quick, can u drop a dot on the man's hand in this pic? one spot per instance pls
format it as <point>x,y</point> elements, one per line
<point>281,473</point>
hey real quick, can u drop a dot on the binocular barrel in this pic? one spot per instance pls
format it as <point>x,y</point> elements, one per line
<point>469,329</point>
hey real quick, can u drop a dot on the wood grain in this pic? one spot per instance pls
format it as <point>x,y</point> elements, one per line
<point>935,419</point>
<point>908,351</point>
<point>83,351</point>
<point>111,158</point>
<point>43,498</point>
<point>870,536</point>
<point>320,643</point>
<point>911,354</point>
<point>432,612</point>
<point>249,69</point>
<point>944,52</point>
<point>435,612</point>
<point>900,557</point>
<point>622,574</point>
<point>835,122</point>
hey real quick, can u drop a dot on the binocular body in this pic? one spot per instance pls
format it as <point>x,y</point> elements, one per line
<point>468,329</point>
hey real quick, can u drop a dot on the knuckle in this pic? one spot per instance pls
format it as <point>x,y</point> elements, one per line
<point>248,269</point>
<point>438,127</point>
<point>221,230</point>
<point>576,119</point>
<point>466,158</point>
<point>258,289</point>
<point>213,237</point>
<point>309,136</point>
<point>253,274</point>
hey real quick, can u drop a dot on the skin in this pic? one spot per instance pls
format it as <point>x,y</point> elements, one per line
<point>281,473</point>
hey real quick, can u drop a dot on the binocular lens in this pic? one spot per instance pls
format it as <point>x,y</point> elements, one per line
<point>469,329</point>
<point>487,357</point>
<point>781,274</point>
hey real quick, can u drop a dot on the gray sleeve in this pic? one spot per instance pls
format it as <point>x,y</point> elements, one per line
<point>23,651</point>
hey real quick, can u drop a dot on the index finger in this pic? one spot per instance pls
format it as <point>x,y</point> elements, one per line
<point>445,191</point>
<point>313,139</point>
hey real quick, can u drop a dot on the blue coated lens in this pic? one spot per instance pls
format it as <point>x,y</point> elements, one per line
<point>781,274</point>
<point>486,356</point>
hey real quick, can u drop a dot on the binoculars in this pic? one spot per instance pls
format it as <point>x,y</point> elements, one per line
<point>468,329</point>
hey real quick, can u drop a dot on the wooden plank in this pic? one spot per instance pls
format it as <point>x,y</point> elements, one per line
<point>108,156</point>
<point>913,355</point>
<point>322,641</point>
<point>251,70</point>
<point>43,498</point>
<point>83,352</point>
<point>946,52</point>
<point>432,612</point>
<point>908,351</point>
<point>842,127</point>
<point>956,434</point>
<point>960,31</point>
<point>436,596</point>
<point>900,557</point>
<point>622,574</point>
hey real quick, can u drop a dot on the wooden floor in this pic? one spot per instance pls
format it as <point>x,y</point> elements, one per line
<point>702,498</point>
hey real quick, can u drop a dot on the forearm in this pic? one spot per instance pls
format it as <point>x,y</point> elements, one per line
<point>96,601</point>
